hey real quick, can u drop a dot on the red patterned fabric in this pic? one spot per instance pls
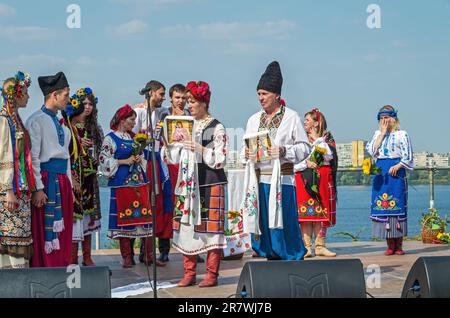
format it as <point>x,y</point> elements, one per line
<point>133,206</point>
<point>310,210</point>
<point>61,257</point>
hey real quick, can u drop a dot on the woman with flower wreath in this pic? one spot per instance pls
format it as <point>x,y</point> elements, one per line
<point>87,137</point>
<point>391,147</point>
<point>130,208</point>
<point>200,190</point>
<point>315,180</point>
<point>16,177</point>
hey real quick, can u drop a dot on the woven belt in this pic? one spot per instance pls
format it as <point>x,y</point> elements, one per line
<point>287,169</point>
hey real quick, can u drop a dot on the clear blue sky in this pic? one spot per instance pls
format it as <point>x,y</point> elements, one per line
<point>329,57</point>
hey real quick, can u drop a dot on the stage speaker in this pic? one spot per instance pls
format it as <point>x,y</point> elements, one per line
<point>429,277</point>
<point>56,282</point>
<point>302,279</point>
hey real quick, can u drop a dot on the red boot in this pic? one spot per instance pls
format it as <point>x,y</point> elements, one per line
<point>87,248</point>
<point>125,250</point>
<point>148,257</point>
<point>391,246</point>
<point>190,266</point>
<point>74,257</point>
<point>399,246</point>
<point>212,265</point>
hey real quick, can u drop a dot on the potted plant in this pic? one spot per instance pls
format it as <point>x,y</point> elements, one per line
<point>432,224</point>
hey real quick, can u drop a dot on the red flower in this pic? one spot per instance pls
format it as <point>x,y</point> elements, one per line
<point>385,205</point>
<point>240,225</point>
<point>232,250</point>
<point>247,245</point>
<point>182,183</point>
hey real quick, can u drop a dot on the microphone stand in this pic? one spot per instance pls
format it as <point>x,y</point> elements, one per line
<point>155,189</point>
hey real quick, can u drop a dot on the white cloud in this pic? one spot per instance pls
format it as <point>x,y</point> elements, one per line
<point>18,34</point>
<point>151,2</point>
<point>33,64</point>
<point>232,30</point>
<point>373,58</point>
<point>129,28</point>
<point>6,10</point>
<point>399,44</point>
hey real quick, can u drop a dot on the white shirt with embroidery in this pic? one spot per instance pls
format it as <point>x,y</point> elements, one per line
<point>327,157</point>
<point>45,144</point>
<point>394,145</point>
<point>290,134</point>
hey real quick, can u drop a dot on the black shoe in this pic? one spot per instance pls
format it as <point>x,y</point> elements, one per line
<point>163,257</point>
<point>200,259</point>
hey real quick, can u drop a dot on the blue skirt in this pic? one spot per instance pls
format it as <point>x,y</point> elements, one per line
<point>389,194</point>
<point>285,243</point>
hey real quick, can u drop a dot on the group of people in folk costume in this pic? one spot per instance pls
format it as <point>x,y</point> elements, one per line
<point>49,191</point>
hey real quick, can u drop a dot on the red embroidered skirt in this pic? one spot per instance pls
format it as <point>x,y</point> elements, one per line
<point>309,209</point>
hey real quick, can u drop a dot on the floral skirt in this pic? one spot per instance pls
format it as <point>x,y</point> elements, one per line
<point>311,210</point>
<point>15,233</point>
<point>389,193</point>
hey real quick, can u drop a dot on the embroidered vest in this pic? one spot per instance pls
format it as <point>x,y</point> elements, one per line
<point>208,176</point>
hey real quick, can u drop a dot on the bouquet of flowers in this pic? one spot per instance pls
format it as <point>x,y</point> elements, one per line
<point>140,142</point>
<point>444,237</point>
<point>369,168</point>
<point>317,158</point>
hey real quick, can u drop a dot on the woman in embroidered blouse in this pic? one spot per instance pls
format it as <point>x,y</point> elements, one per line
<point>87,138</point>
<point>317,209</point>
<point>130,211</point>
<point>392,149</point>
<point>16,181</point>
<point>200,202</point>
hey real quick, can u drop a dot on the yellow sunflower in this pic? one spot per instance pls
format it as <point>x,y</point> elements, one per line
<point>128,212</point>
<point>392,203</point>
<point>320,150</point>
<point>141,137</point>
<point>136,204</point>
<point>311,201</point>
<point>144,211</point>
<point>385,196</point>
<point>367,164</point>
<point>80,92</point>
<point>378,203</point>
<point>319,209</point>
<point>75,103</point>
<point>303,209</point>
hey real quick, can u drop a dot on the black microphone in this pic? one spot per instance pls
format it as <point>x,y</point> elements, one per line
<point>160,131</point>
<point>144,91</point>
<point>161,123</point>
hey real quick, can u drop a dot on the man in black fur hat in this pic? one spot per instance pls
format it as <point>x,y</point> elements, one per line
<point>52,209</point>
<point>274,227</point>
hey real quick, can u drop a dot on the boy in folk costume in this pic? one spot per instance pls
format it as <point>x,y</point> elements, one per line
<point>270,209</point>
<point>164,206</point>
<point>52,209</point>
